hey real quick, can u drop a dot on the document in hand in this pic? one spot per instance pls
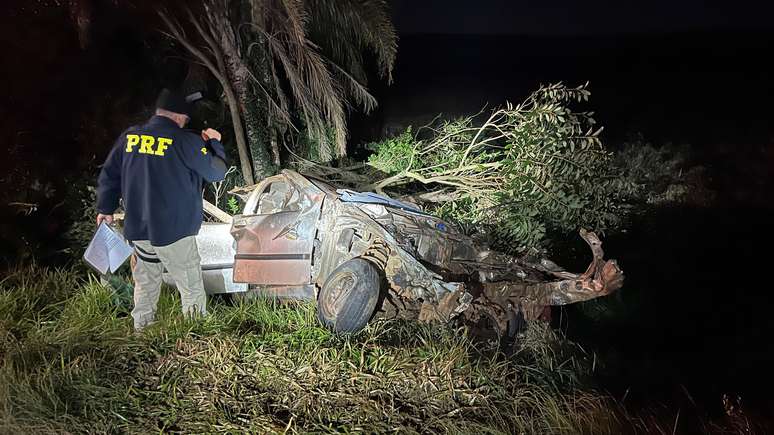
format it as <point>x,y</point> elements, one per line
<point>107,250</point>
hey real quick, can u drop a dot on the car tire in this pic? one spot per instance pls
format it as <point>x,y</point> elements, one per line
<point>348,298</point>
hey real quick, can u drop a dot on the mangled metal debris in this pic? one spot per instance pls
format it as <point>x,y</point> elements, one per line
<point>365,255</point>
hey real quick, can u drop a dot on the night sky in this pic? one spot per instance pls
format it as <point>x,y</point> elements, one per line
<point>571,17</point>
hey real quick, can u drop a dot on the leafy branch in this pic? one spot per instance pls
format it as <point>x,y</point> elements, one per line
<point>525,169</point>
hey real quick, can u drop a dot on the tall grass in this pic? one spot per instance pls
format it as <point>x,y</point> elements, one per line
<point>70,363</point>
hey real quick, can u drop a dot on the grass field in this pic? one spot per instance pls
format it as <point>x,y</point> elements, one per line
<point>71,364</point>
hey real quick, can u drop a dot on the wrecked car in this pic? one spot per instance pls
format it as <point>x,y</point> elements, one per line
<point>363,255</point>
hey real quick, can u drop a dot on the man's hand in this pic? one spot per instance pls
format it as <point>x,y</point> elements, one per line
<point>210,133</point>
<point>107,218</point>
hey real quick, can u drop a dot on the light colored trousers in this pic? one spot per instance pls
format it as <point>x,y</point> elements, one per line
<point>181,259</point>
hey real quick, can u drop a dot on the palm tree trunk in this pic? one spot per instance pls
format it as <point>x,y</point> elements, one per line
<point>257,130</point>
<point>239,133</point>
<point>217,68</point>
<point>256,126</point>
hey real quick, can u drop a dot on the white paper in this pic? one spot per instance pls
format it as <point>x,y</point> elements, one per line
<point>107,250</point>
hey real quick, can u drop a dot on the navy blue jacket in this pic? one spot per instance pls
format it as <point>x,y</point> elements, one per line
<point>159,170</point>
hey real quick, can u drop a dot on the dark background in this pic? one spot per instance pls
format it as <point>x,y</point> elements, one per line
<point>693,322</point>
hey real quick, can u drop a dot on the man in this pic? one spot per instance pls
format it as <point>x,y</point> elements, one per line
<point>159,170</point>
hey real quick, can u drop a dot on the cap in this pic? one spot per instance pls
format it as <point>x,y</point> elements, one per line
<point>175,101</point>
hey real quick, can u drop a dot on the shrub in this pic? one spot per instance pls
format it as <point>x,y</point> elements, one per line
<point>527,169</point>
<point>663,175</point>
<point>81,200</point>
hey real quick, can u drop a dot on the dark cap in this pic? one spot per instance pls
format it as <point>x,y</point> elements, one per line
<point>176,101</point>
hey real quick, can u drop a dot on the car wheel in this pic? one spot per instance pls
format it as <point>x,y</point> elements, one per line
<point>348,298</point>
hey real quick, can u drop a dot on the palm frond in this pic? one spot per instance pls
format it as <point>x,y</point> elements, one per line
<point>321,80</point>
<point>341,46</point>
<point>313,87</point>
<point>348,26</point>
<point>357,90</point>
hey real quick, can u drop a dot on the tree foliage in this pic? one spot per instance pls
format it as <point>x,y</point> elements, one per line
<point>317,46</point>
<point>527,169</point>
<point>665,174</point>
<point>285,63</point>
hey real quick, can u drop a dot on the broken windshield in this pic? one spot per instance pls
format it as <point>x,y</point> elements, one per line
<point>277,197</point>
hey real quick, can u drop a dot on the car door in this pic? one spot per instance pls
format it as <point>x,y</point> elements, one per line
<point>276,238</point>
<point>216,250</point>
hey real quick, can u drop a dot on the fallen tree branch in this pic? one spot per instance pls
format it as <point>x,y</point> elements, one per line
<point>215,212</point>
<point>433,196</point>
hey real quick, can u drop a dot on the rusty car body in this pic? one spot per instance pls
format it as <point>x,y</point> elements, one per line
<point>361,255</point>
